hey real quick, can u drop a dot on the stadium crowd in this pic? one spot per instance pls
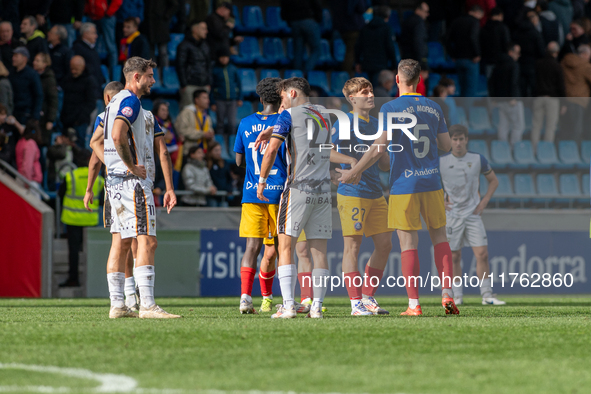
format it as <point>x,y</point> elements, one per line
<point>56,55</point>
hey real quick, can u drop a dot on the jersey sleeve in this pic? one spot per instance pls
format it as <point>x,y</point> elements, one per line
<point>484,165</point>
<point>129,109</point>
<point>158,131</point>
<point>334,131</point>
<point>283,126</point>
<point>98,122</point>
<point>442,123</point>
<point>239,144</point>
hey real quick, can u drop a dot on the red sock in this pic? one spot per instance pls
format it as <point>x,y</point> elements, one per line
<point>353,286</point>
<point>266,280</point>
<point>305,279</point>
<point>411,267</point>
<point>443,262</point>
<point>246,279</point>
<point>368,288</point>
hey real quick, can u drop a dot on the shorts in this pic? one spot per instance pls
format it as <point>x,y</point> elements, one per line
<point>131,207</point>
<point>259,221</point>
<point>303,211</point>
<point>466,231</point>
<point>405,210</point>
<point>363,216</point>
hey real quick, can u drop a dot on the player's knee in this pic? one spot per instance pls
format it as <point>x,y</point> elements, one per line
<point>385,246</point>
<point>481,255</point>
<point>152,244</point>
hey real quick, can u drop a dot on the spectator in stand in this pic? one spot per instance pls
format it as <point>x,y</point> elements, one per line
<point>79,100</point>
<point>7,45</point>
<point>193,63</point>
<point>10,131</point>
<point>156,26</point>
<point>464,48</point>
<point>33,39</point>
<point>551,28</point>
<point>532,48</point>
<point>102,13</point>
<point>220,25</point>
<point>198,9</point>
<point>6,95</point>
<point>494,40</point>
<point>347,19</point>
<point>197,179</point>
<point>577,83</point>
<point>504,86</point>
<point>563,9</point>
<point>374,51</point>
<point>59,155</point>
<point>436,20</point>
<point>129,9</point>
<point>221,175</point>
<point>413,39</point>
<point>38,9</point>
<point>42,64</point>
<point>549,86</point>
<point>575,38</point>
<point>28,153</point>
<point>439,96</point>
<point>173,142</point>
<point>486,5</point>
<point>194,124</point>
<point>9,12</point>
<point>26,88</point>
<point>579,8</point>
<point>386,82</point>
<point>85,47</point>
<point>133,42</point>
<point>62,13</point>
<point>59,52</point>
<point>304,18</point>
<point>226,94</point>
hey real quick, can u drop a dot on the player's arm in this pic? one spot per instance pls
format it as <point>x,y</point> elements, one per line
<point>160,149</point>
<point>340,158</point>
<point>97,143</point>
<point>263,138</point>
<point>384,163</point>
<point>376,150</point>
<point>240,162</point>
<point>120,129</point>
<point>493,183</point>
<point>443,142</point>
<point>94,167</point>
<point>267,165</point>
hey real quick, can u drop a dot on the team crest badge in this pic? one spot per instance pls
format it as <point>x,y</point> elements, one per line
<point>265,117</point>
<point>152,223</point>
<point>469,165</point>
<point>127,111</point>
<point>358,226</point>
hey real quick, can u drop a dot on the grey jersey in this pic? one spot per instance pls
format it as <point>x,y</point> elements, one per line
<point>307,134</point>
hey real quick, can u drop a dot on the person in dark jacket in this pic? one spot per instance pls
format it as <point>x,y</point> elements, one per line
<point>133,42</point>
<point>42,64</point>
<point>504,86</point>
<point>551,28</point>
<point>7,44</point>
<point>304,18</point>
<point>193,63</point>
<point>59,52</point>
<point>494,40</point>
<point>464,47</point>
<point>413,39</point>
<point>347,19</point>
<point>37,8</point>
<point>226,95</point>
<point>129,9</point>
<point>219,27</point>
<point>26,88</point>
<point>156,26</point>
<point>62,13</point>
<point>85,47</point>
<point>575,38</point>
<point>532,48</point>
<point>33,39</point>
<point>563,9</point>
<point>374,51</point>
<point>79,99</point>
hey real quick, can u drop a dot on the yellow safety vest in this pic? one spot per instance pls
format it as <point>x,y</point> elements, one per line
<point>73,211</point>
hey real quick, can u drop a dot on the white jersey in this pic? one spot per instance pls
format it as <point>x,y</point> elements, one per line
<point>461,177</point>
<point>153,130</point>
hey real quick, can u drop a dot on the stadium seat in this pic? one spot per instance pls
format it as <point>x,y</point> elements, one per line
<point>501,155</point>
<point>397,53</point>
<point>568,153</point>
<point>462,118</point>
<point>275,25</point>
<point>436,57</point>
<point>585,186</point>
<point>546,155</point>
<point>173,108</point>
<point>318,79</point>
<point>524,185</point>
<point>222,141</point>
<point>479,146</point>
<point>432,81</point>
<point>147,104</point>
<point>214,119</point>
<point>337,81</point>
<point>326,25</point>
<point>252,20</point>
<point>175,40</point>
<point>586,152</point>
<point>117,74</point>
<point>269,73</point>
<point>248,79</point>
<point>325,58</point>
<point>290,53</point>
<point>479,121</point>
<point>170,79</point>
<point>482,89</point>
<point>237,19</point>
<point>524,155</point>
<point>453,110</point>
<point>293,73</point>
<point>105,71</point>
<point>338,50</point>
<point>243,112</point>
<point>249,52</point>
<point>546,185</point>
<point>569,187</point>
<point>504,188</point>
<point>394,22</point>
<point>273,52</point>
<point>231,142</point>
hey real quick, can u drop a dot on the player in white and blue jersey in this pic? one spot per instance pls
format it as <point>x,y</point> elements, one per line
<point>460,173</point>
<point>258,223</point>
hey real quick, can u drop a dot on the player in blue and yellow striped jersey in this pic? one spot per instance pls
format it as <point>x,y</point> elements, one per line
<point>258,222</point>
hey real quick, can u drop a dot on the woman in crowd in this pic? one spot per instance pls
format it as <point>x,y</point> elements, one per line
<point>173,142</point>
<point>28,153</point>
<point>42,64</point>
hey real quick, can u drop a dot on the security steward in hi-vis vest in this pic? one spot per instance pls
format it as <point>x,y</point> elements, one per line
<point>74,215</point>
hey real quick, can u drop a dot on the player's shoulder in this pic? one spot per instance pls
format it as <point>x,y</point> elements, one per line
<point>101,116</point>
<point>432,103</point>
<point>474,155</point>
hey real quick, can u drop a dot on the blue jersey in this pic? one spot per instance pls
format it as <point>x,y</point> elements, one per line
<point>416,168</point>
<point>248,131</point>
<point>98,122</point>
<point>369,186</point>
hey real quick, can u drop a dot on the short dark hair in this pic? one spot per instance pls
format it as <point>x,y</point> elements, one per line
<point>476,8</point>
<point>409,70</point>
<point>382,11</point>
<point>194,149</point>
<point>131,19</point>
<point>447,82</point>
<point>498,11</point>
<point>295,83</point>
<point>137,64</point>
<point>31,20</point>
<point>198,93</point>
<point>438,90</point>
<point>419,4</point>
<point>458,129</point>
<point>33,131</point>
<point>113,87</point>
<point>267,90</point>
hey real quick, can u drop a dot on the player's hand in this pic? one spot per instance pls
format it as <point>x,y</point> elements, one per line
<point>348,176</point>
<point>169,200</point>
<point>139,171</point>
<point>260,189</point>
<point>88,200</point>
<point>480,207</point>
<point>213,190</point>
<point>352,162</point>
<point>448,205</point>
<point>263,138</point>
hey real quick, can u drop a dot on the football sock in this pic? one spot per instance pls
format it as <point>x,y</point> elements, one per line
<point>413,303</point>
<point>305,279</point>
<point>145,281</point>
<point>368,288</point>
<point>294,278</point>
<point>246,280</point>
<point>353,285</point>
<point>459,290</point>
<point>411,267</point>
<point>116,281</point>
<point>130,291</point>
<point>444,264</point>
<point>486,288</point>
<point>284,273</point>
<point>447,293</point>
<point>266,280</point>
<point>319,286</point>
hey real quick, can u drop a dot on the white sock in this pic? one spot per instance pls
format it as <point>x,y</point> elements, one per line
<point>486,288</point>
<point>353,303</point>
<point>413,303</point>
<point>116,282</point>
<point>447,292</point>
<point>364,297</point>
<point>458,291</point>
<point>247,297</point>
<point>268,297</point>
<point>285,275</point>
<point>319,284</point>
<point>145,280</point>
<point>294,278</point>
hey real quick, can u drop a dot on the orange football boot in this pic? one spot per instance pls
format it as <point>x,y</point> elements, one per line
<point>413,311</point>
<point>450,306</point>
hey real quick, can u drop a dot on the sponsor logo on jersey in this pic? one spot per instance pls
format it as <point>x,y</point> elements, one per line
<point>425,172</point>
<point>127,111</point>
<point>250,185</point>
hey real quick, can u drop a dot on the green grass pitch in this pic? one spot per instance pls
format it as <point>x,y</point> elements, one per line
<point>532,345</point>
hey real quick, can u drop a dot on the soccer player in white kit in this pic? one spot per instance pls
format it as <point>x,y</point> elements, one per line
<point>460,173</point>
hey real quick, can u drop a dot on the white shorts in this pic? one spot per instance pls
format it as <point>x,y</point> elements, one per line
<point>129,207</point>
<point>465,231</point>
<point>302,211</point>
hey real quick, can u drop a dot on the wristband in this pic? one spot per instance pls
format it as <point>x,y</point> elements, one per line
<point>262,180</point>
